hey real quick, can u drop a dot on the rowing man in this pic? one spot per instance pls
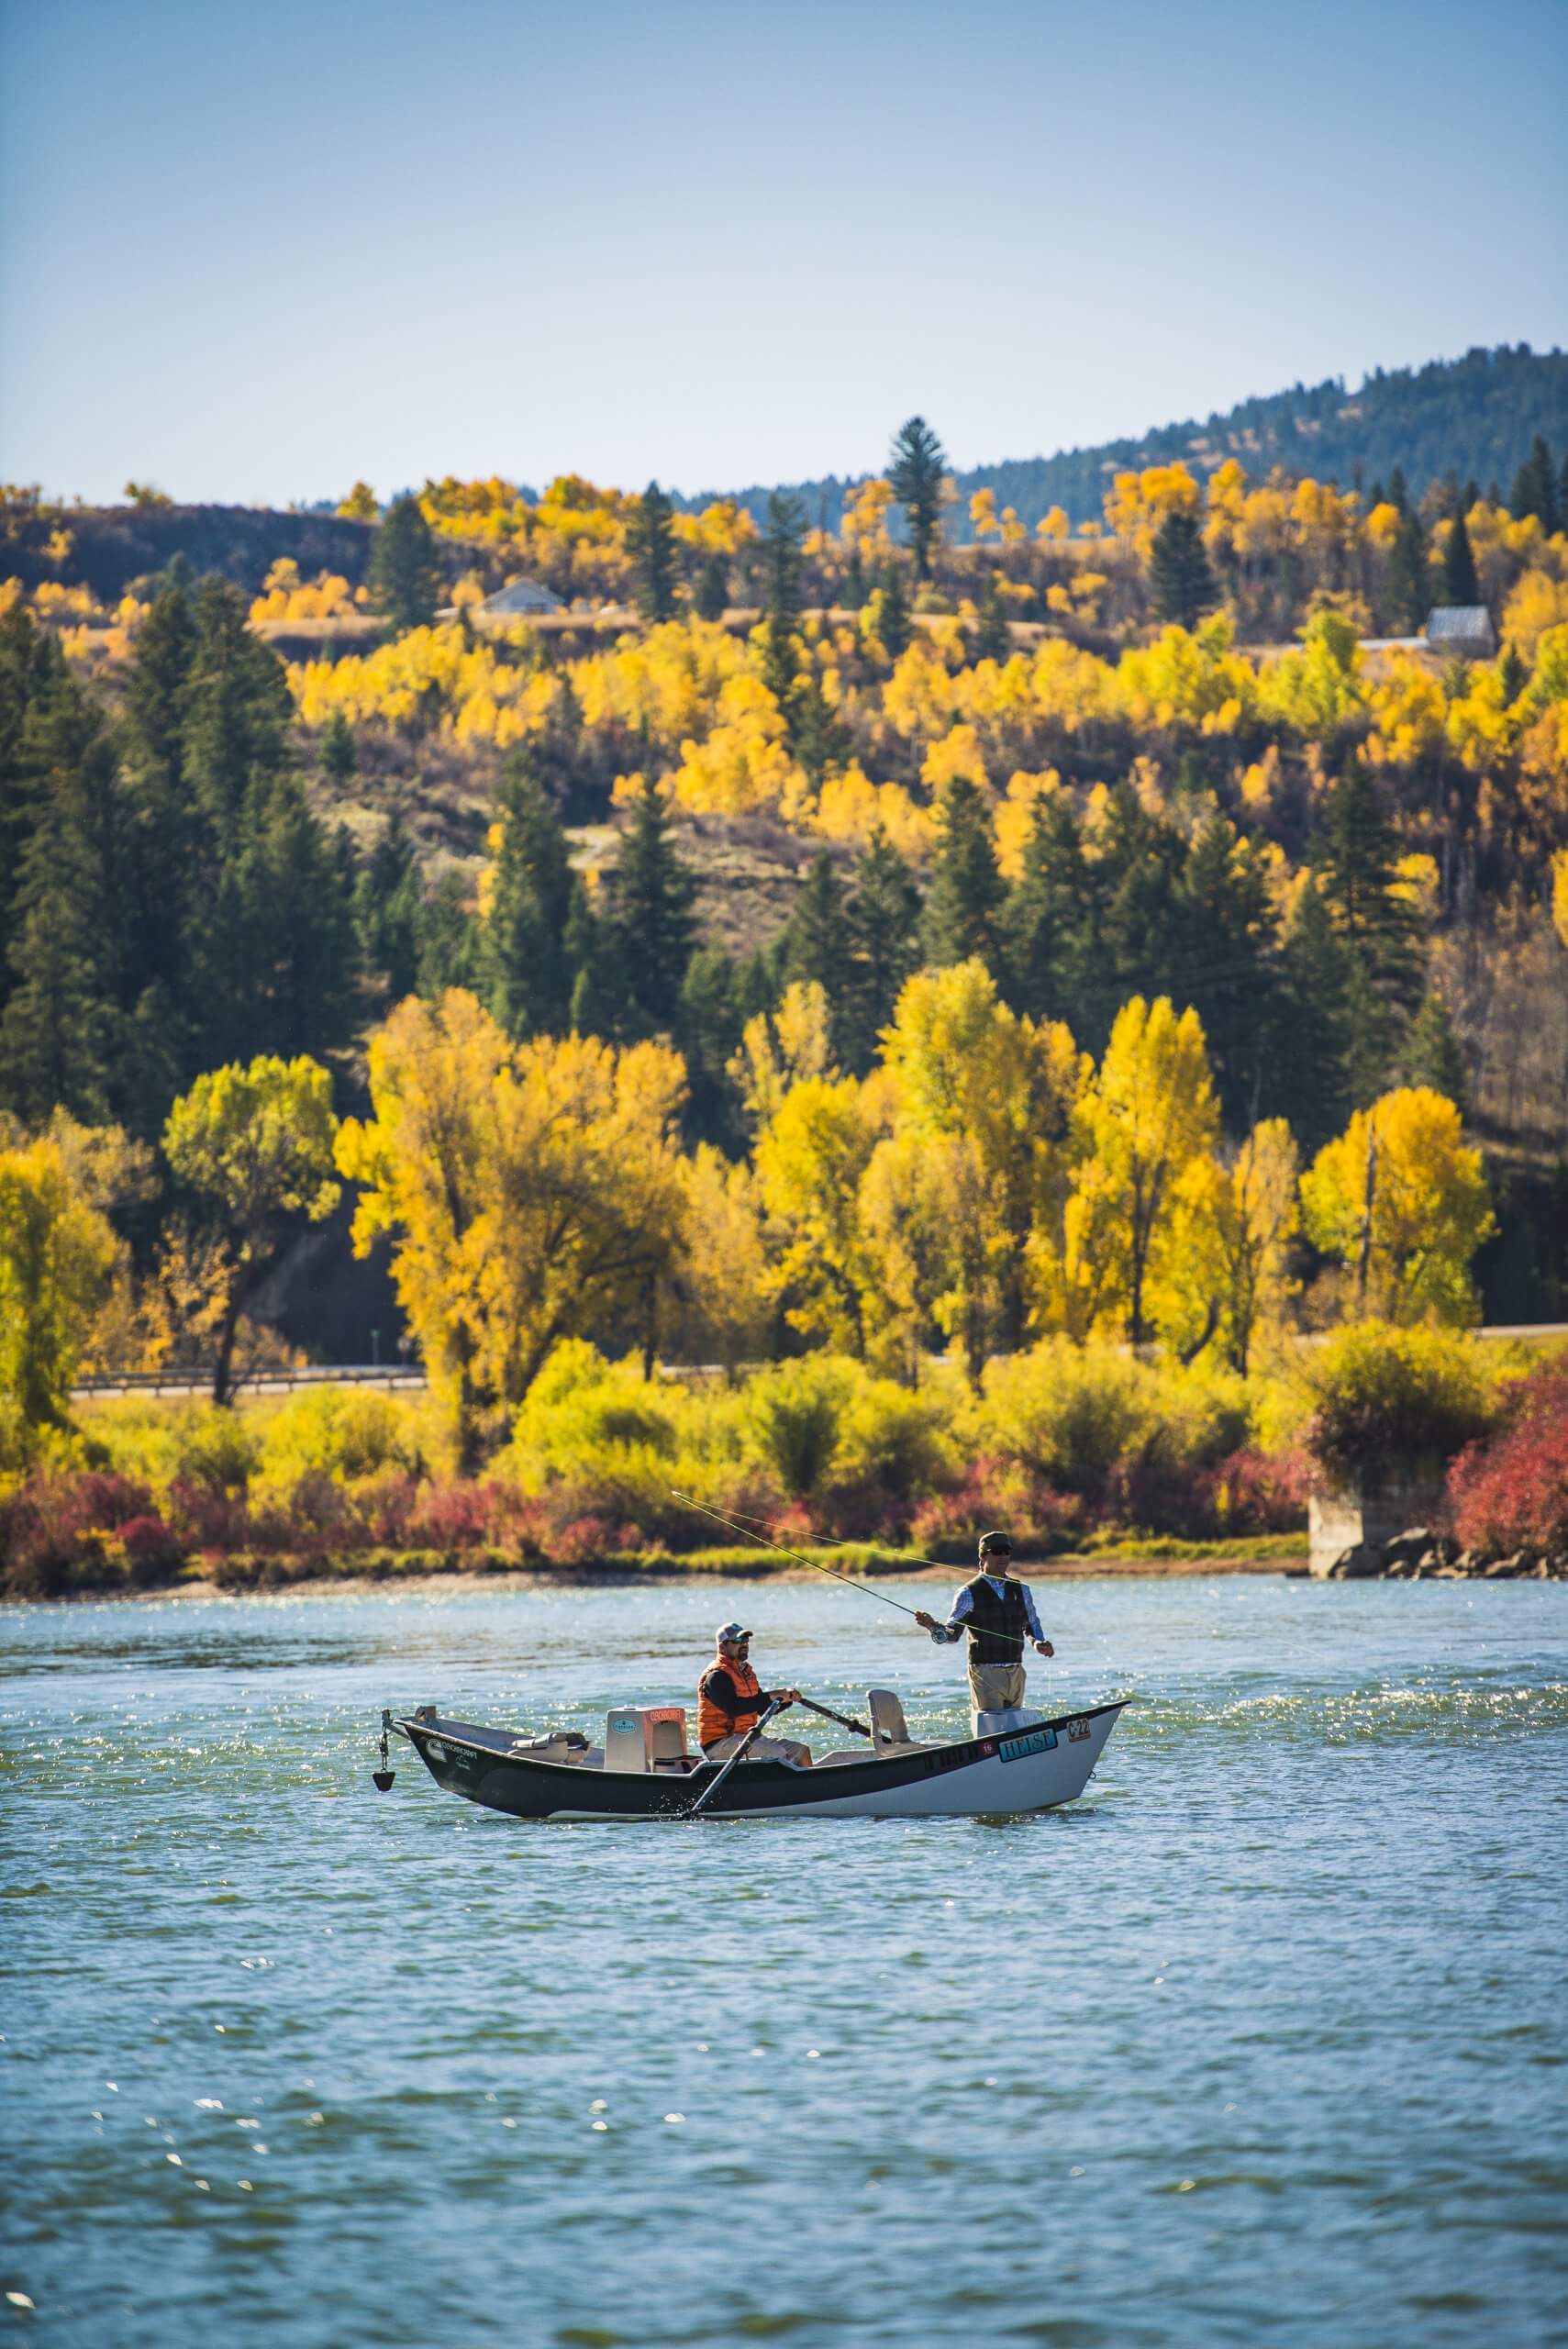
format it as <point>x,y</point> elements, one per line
<point>730,1699</point>
<point>998,1612</point>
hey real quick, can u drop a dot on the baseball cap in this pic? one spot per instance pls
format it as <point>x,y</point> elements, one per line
<point>996,1541</point>
<point>730,1631</point>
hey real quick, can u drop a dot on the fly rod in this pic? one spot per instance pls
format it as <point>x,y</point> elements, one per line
<point>734,1525</point>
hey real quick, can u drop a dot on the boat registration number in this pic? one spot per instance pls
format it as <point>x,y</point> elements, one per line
<point>1034,1741</point>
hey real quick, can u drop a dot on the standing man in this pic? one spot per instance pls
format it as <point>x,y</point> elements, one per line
<point>729,1698</point>
<point>999,1612</point>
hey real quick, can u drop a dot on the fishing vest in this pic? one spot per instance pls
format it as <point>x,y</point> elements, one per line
<point>991,1612</point>
<point>713,1721</point>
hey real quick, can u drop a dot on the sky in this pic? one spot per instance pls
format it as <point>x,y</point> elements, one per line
<point>254,254</point>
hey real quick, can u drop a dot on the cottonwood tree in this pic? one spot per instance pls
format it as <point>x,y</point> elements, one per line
<point>1403,1203</point>
<point>253,1147</point>
<point>58,1254</point>
<point>1147,1114</point>
<point>532,1192</point>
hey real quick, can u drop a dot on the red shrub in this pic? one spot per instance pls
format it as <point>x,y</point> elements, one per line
<point>1511,1493</point>
<point>1260,1492</point>
<point>152,1553</point>
<point>995,1493</point>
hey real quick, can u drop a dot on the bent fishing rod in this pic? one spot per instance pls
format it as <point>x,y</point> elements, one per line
<point>734,1525</point>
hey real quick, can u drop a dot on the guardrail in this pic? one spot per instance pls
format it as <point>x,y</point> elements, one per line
<point>196,1380</point>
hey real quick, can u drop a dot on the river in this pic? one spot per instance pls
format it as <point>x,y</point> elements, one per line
<point>1261,2042</point>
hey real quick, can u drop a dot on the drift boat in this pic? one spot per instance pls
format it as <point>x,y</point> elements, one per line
<point>644,1770</point>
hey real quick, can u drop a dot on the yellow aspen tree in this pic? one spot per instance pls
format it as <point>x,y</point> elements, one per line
<point>717,1304</point>
<point>1224,1267</point>
<point>254,1144</point>
<point>811,1159</point>
<point>964,1067</point>
<point>1147,1114</point>
<point>908,1243</point>
<point>1403,1203</point>
<point>58,1255</point>
<point>780,1047</point>
<point>532,1193</point>
<point>983,519</point>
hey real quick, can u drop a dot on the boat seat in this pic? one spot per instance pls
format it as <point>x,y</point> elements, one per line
<point>888,1724</point>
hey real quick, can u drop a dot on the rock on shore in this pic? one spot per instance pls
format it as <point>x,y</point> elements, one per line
<point>1422,1555</point>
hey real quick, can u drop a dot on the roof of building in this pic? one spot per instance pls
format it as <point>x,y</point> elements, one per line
<point>1468,620</point>
<point>522,596</point>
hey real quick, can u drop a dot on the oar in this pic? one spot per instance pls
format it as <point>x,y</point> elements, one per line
<point>829,1715</point>
<point>707,1794</point>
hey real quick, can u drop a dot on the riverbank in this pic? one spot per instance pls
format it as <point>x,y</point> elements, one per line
<point>376,1570</point>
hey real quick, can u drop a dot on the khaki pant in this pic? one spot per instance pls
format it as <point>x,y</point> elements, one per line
<point>761,1749</point>
<point>993,1687</point>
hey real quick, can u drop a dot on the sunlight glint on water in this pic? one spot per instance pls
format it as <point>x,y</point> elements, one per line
<point>1262,2040</point>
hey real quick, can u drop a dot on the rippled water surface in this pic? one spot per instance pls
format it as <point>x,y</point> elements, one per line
<point>1261,2042</point>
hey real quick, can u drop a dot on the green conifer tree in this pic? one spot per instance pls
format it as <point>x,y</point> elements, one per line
<point>894,625</point>
<point>449,937</point>
<point>653,928</point>
<point>1378,928</point>
<point>816,943</point>
<point>1409,580</point>
<point>917,470</point>
<point>1051,921</point>
<point>883,917</point>
<point>650,542</point>
<point>404,574</point>
<point>527,974</point>
<point>1227,966</point>
<point>387,911</point>
<point>964,899</point>
<point>1179,579</point>
<point>1433,1054</point>
<point>1461,584</point>
<point>992,641</point>
<point>1535,487</point>
<point>1306,1079</point>
<point>336,750</point>
<point>713,588</point>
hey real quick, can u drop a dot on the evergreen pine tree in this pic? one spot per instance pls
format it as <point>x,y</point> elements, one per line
<point>162,655</point>
<point>818,736</point>
<point>526,976</point>
<point>1179,579</point>
<point>883,919</point>
<point>1047,953</point>
<point>917,469</point>
<point>1227,967</point>
<point>855,590</point>
<point>1433,1054</point>
<point>1535,487</point>
<point>57,1033</point>
<point>449,937</point>
<point>404,575</point>
<point>336,750</point>
<point>650,542</point>
<point>991,641</point>
<point>894,626</point>
<point>782,567</point>
<point>1306,1079</point>
<point>1461,584</point>
<point>816,943</point>
<point>32,676</point>
<point>713,588</point>
<point>1410,582</point>
<point>1376,925</point>
<point>964,899</point>
<point>387,911</point>
<point>1513,676</point>
<point>707,1032</point>
<point>653,929</point>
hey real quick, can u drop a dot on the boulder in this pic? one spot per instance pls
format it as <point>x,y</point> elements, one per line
<point>1407,1547</point>
<point>1356,1565</point>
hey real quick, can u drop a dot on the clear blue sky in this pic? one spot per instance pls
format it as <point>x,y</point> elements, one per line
<point>254,252</point>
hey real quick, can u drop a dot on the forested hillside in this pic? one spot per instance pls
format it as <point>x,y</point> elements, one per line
<point>1473,417</point>
<point>1112,982</point>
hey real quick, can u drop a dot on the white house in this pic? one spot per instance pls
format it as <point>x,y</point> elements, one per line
<point>1462,633</point>
<point>519,598</point>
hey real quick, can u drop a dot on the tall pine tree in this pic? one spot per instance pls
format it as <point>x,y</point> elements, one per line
<point>404,575</point>
<point>528,976</point>
<point>966,892</point>
<point>1180,579</point>
<point>650,542</point>
<point>652,926</point>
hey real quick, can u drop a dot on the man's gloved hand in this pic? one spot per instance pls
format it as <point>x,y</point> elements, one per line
<point>1044,1647</point>
<point>926,1622</point>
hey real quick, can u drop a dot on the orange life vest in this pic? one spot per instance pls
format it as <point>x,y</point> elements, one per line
<point>713,1721</point>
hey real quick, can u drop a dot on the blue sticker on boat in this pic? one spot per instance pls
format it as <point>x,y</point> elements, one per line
<point>1036,1740</point>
